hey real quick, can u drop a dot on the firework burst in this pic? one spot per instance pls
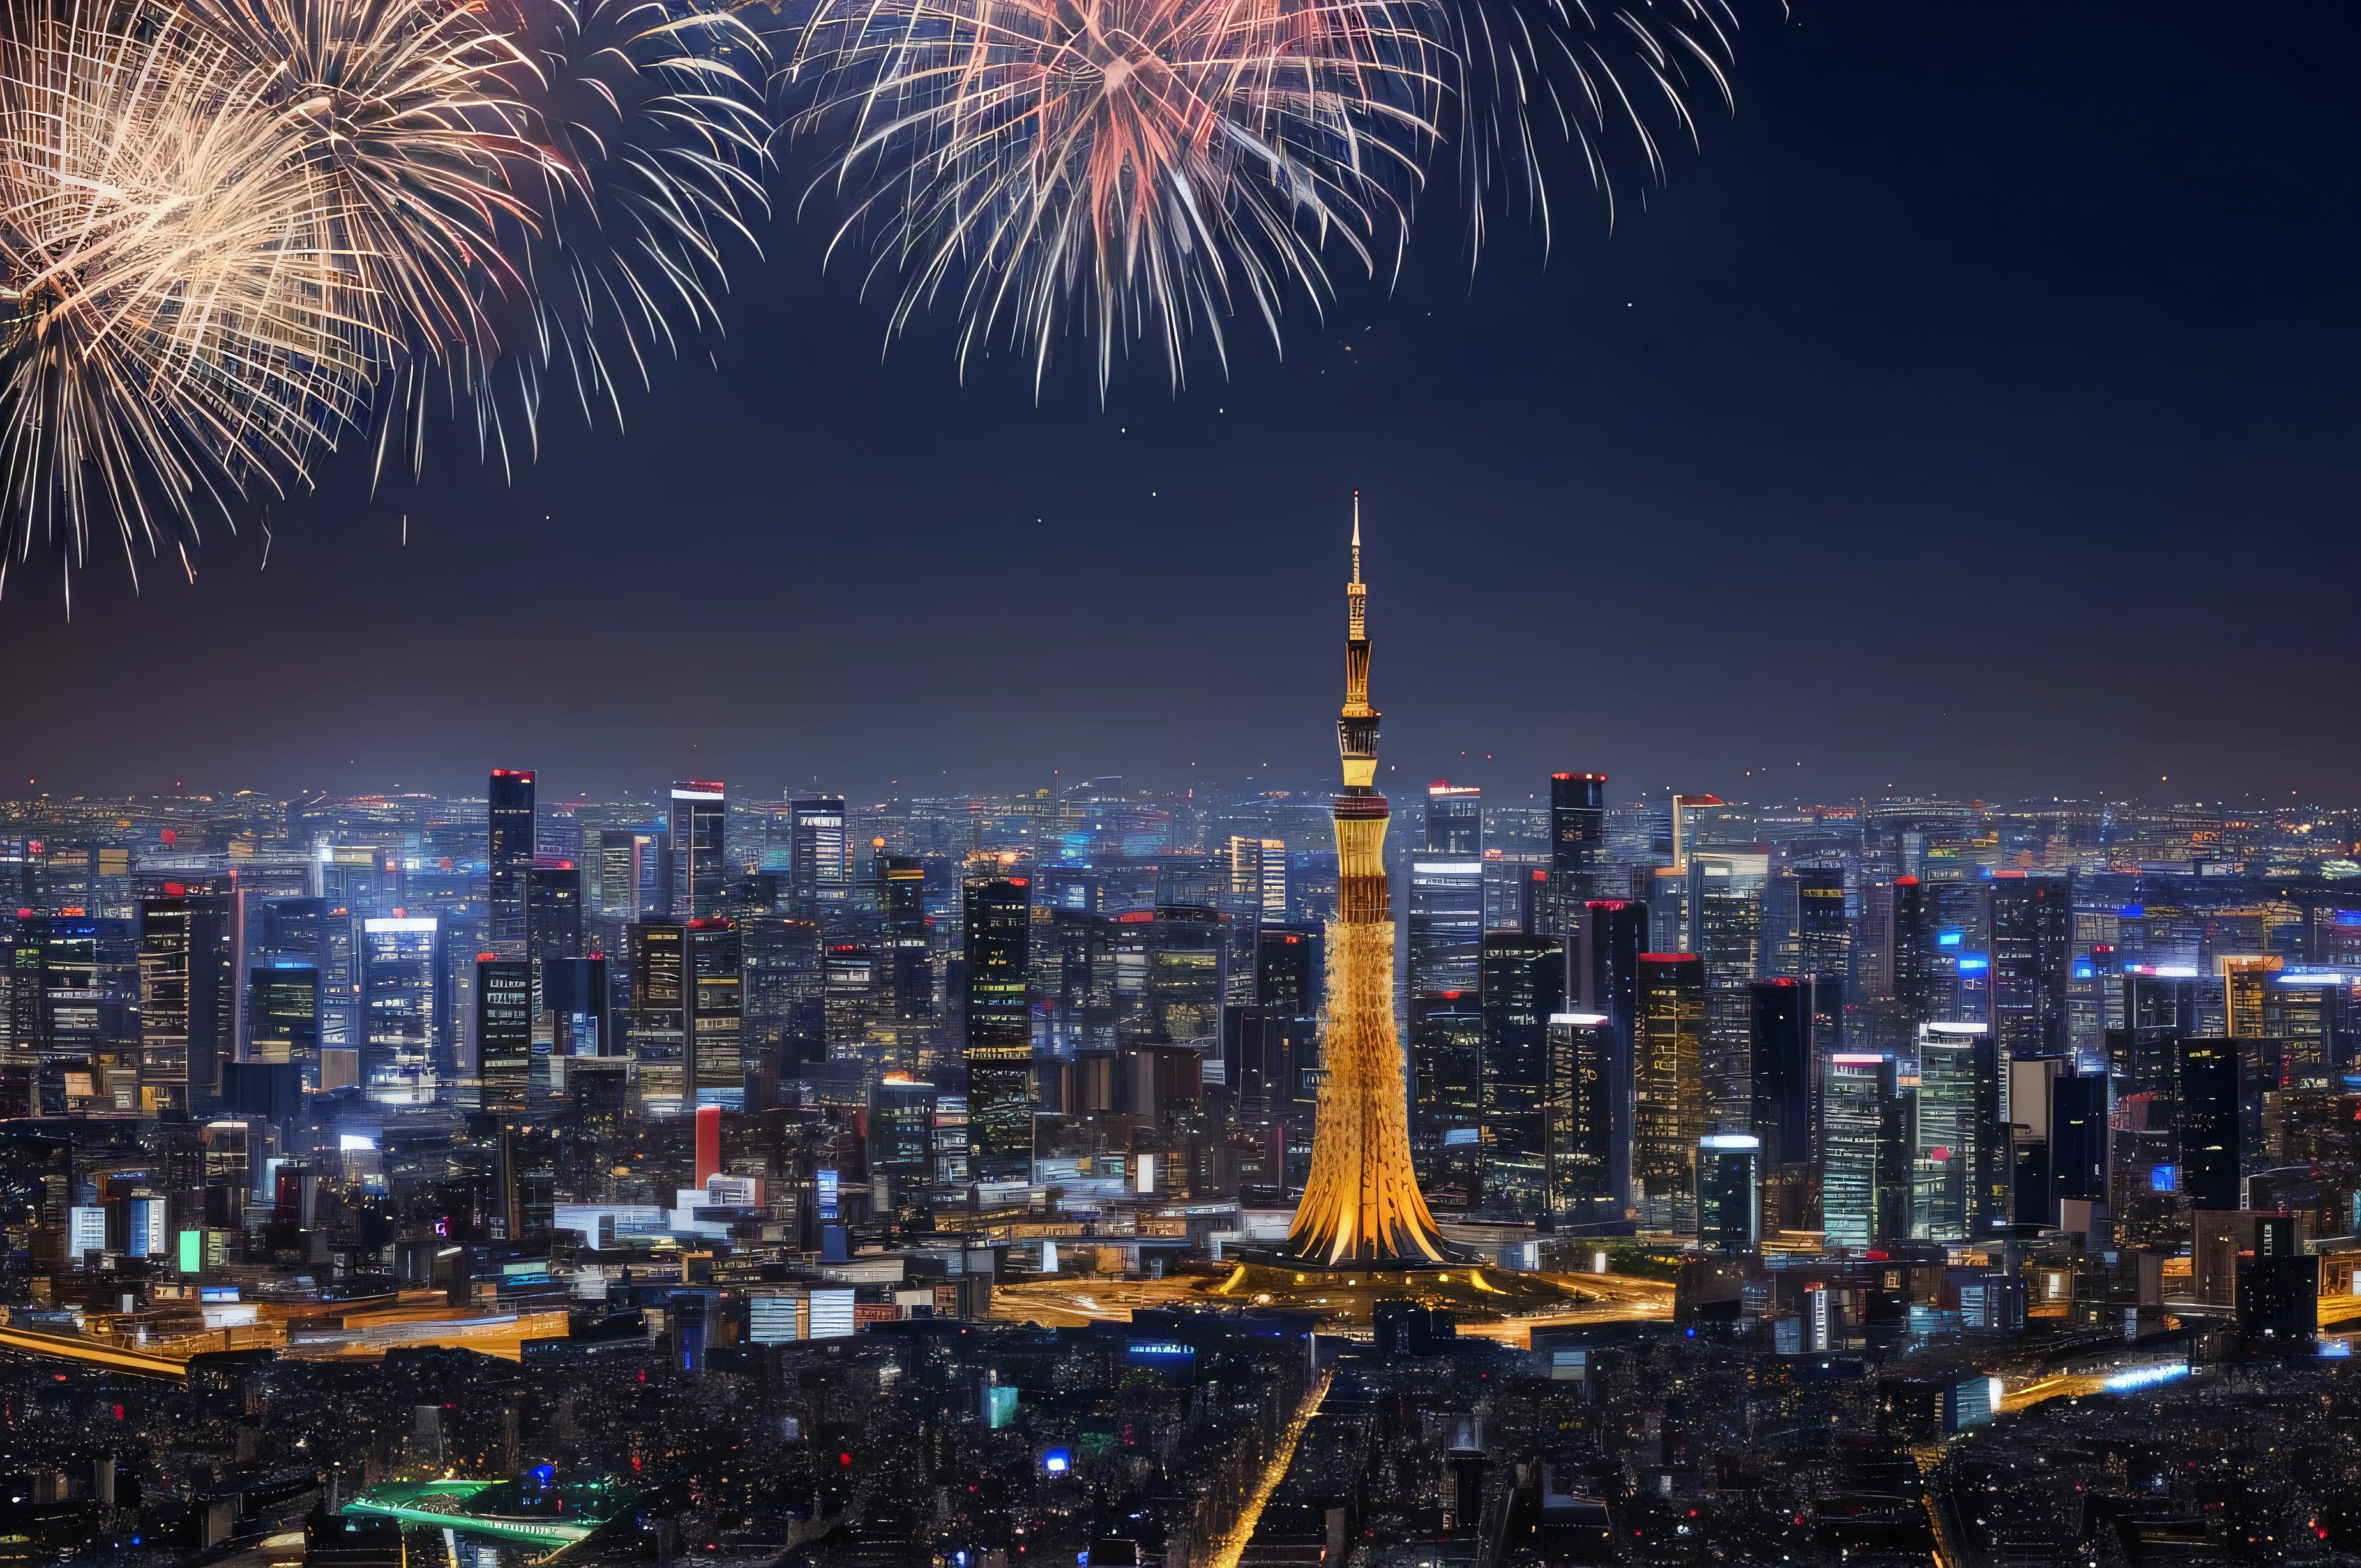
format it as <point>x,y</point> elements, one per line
<point>170,333</point>
<point>651,136</point>
<point>1600,79</point>
<point>1128,168</point>
<point>410,115</point>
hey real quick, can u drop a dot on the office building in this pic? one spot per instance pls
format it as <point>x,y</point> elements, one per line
<point>1730,1192</point>
<point>717,1016</point>
<point>819,866</point>
<point>1585,1130</point>
<point>635,873</point>
<point>1785,1069</point>
<point>700,871</point>
<point>509,857</point>
<point>503,1032</point>
<point>1523,988</point>
<point>1962,1165</point>
<point>1667,1089</point>
<point>401,972</point>
<point>999,1048</point>
<point>1725,902</point>
<point>2032,932</point>
<point>188,999</point>
<point>2209,1124</point>
<point>1577,825</point>
<point>1454,821</point>
<point>1865,1189</point>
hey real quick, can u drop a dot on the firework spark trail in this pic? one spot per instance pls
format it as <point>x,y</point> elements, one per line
<point>168,335</point>
<point>1525,65</point>
<point>1129,166</point>
<point>651,134</point>
<point>411,115</point>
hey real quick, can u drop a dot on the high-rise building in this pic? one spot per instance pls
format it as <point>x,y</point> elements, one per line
<point>905,1024</point>
<point>2032,956</point>
<point>1919,989</point>
<point>1258,876</point>
<point>2207,1118</point>
<point>657,1027</point>
<point>1524,989</point>
<point>999,916</point>
<point>1785,1077</point>
<point>1616,932</point>
<point>1824,951</point>
<point>188,999</point>
<point>2246,978</point>
<point>552,913</point>
<point>2078,1138</point>
<point>716,1018</point>
<point>1445,929</point>
<point>1454,821</point>
<point>1586,1132</point>
<point>1667,1089</point>
<point>1361,1203</point>
<point>1864,1187</point>
<point>1287,970</point>
<point>503,1030</point>
<point>510,847</point>
<point>402,1006</point>
<point>1730,1192</point>
<point>1725,901</point>
<point>1577,837</point>
<point>574,996</point>
<point>819,865</point>
<point>635,873</point>
<point>700,817</point>
<point>1961,1166</point>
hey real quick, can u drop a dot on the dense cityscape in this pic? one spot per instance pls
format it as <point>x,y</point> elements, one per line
<point>1175,1177</point>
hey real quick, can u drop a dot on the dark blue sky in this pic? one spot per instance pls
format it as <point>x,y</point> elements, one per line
<point>1976,413</point>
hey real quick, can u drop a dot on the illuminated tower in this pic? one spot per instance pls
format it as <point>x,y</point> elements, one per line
<point>1361,1205</point>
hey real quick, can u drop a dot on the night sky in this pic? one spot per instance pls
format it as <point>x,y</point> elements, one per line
<point>1975,414</point>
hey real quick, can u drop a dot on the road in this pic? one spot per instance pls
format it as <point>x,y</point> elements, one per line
<point>1066,1303</point>
<point>93,1353</point>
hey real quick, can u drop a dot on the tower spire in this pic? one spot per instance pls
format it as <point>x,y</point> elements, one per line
<point>1356,538</point>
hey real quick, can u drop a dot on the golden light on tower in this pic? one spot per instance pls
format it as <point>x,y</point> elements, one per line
<point>1362,1204</point>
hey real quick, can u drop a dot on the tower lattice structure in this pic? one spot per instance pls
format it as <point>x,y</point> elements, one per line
<point>1362,1204</point>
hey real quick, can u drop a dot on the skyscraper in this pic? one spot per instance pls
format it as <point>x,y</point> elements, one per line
<point>510,845</point>
<point>999,912</point>
<point>2207,1118</point>
<point>1584,1129</point>
<point>1667,1089</point>
<point>819,863</point>
<point>1864,1188</point>
<point>1961,1166</point>
<point>635,873</point>
<point>188,999</point>
<point>1730,1191</point>
<point>1917,986</point>
<point>401,1007</point>
<point>1725,902</point>
<point>716,1014</point>
<point>1362,1203</point>
<point>699,818</point>
<point>1577,835</point>
<point>504,1029</point>
<point>1785,1073</point>
<point>1446,930</point>
<point>1525,988</point>
<point>2032,952</point>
